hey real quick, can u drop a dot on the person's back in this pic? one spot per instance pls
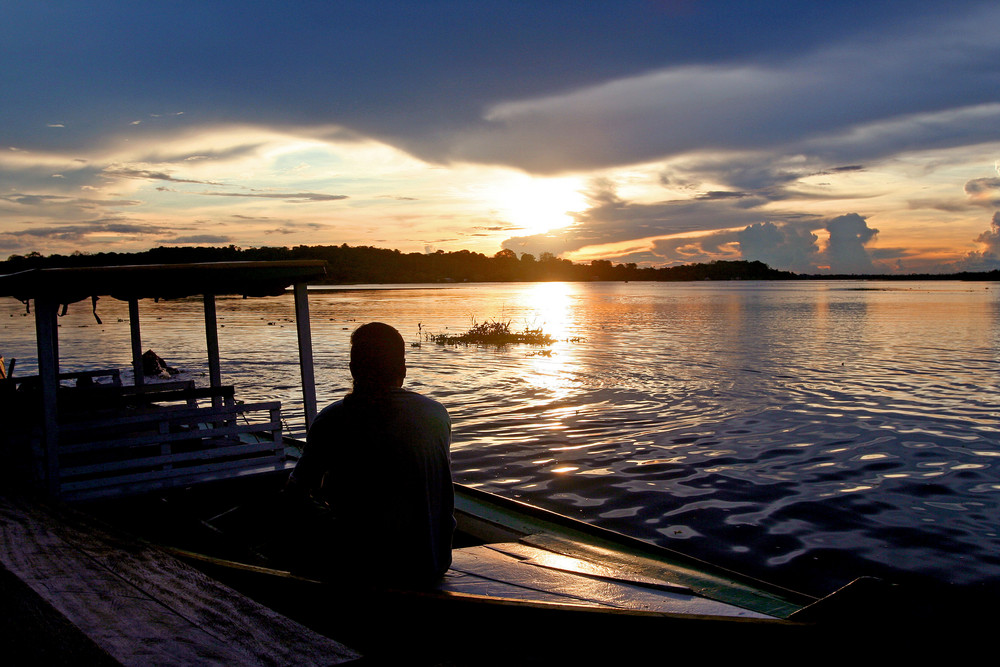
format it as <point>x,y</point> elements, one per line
<point>380,459</point>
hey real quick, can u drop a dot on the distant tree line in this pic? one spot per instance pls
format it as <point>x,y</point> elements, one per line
<point>366,264</point>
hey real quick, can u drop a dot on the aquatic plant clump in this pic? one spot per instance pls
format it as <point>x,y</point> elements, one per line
<point>493,333</point>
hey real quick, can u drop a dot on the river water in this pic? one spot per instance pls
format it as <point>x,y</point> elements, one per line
<point>803,432</point>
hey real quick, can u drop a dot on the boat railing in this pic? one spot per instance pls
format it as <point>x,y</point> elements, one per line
<point>143,446</point>
<point>101,377</point>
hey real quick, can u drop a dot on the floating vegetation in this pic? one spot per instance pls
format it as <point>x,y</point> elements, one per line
<point>494,333</point>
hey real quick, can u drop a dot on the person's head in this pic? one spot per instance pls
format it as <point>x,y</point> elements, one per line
<point>378,357</point>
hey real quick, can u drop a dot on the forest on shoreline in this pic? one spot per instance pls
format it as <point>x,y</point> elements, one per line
<point>366,264</point>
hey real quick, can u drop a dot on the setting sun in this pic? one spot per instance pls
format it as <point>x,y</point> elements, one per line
<point>538,205</point>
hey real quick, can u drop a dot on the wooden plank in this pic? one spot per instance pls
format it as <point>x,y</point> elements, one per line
<point>176,446</point>
<point>171,458</point>
<point>247,468</point>
<point>158,438</point>
<point>306,367</point>
<point>487,571</point>
<point>142,606</point>
<point>586,567</point>
<point>177,414</point>
<point>33,633</point>
<point>168,385</point>
<point>182,475</point>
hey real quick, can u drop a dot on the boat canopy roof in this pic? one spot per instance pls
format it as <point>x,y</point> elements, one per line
<point>160,281</point>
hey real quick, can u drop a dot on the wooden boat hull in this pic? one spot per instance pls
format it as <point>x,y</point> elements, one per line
<point>457,619</point>
<point>396,626</point>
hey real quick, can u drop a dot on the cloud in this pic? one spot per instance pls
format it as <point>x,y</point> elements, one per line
<point>696,249</point>
<point>987,259</point>
<point>543,86</point>
<point>787,247</point>
<point>984,191</point>
<point>78,232</point>
<point>25,199</point>
<point>610,219</point>
<point>767,132</point>
<point>861,97</point>
<point>991,238</point>
<point>296,228</point>
<point>286,196</point>
<point>198,238</point>
<point>845,250</point>
<point>755,178</point>
<point>723,194</point>
<point>147,174</point>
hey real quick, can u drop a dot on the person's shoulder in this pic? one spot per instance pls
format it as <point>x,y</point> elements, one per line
<point>422,402</point>
<point>419,398</point>
<point>334,407</point>
<point>329,412</point>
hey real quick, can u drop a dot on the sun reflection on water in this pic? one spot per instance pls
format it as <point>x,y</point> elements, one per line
<point>551,369</point>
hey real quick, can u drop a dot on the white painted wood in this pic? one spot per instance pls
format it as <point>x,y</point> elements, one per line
<point>306,366</point>
<point>492,571</point>
<point>167,446</point>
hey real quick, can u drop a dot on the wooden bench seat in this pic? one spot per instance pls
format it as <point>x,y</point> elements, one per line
<point>152,446</point>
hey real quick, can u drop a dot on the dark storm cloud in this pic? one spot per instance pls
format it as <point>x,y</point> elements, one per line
<point>861,98</point>
<point>544,86</point>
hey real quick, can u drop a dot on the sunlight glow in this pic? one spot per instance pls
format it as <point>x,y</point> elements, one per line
<point>552,308</point>
<point>537,205</point>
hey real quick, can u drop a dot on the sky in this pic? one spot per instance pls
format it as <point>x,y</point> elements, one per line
<point>839,137</point>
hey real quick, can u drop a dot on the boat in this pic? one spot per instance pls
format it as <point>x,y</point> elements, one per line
<point>187,469</point>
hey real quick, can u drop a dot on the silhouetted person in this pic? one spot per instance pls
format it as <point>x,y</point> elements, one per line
<point>380,459</point>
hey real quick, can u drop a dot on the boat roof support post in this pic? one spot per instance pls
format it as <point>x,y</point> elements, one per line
<point>305,352</point>
<point>133,325</point>
<point>212,342</point>
<point>47,340</point>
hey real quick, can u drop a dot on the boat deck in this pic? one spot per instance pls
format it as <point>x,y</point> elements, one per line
<point>520,571</point>
<point>134,604</point>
